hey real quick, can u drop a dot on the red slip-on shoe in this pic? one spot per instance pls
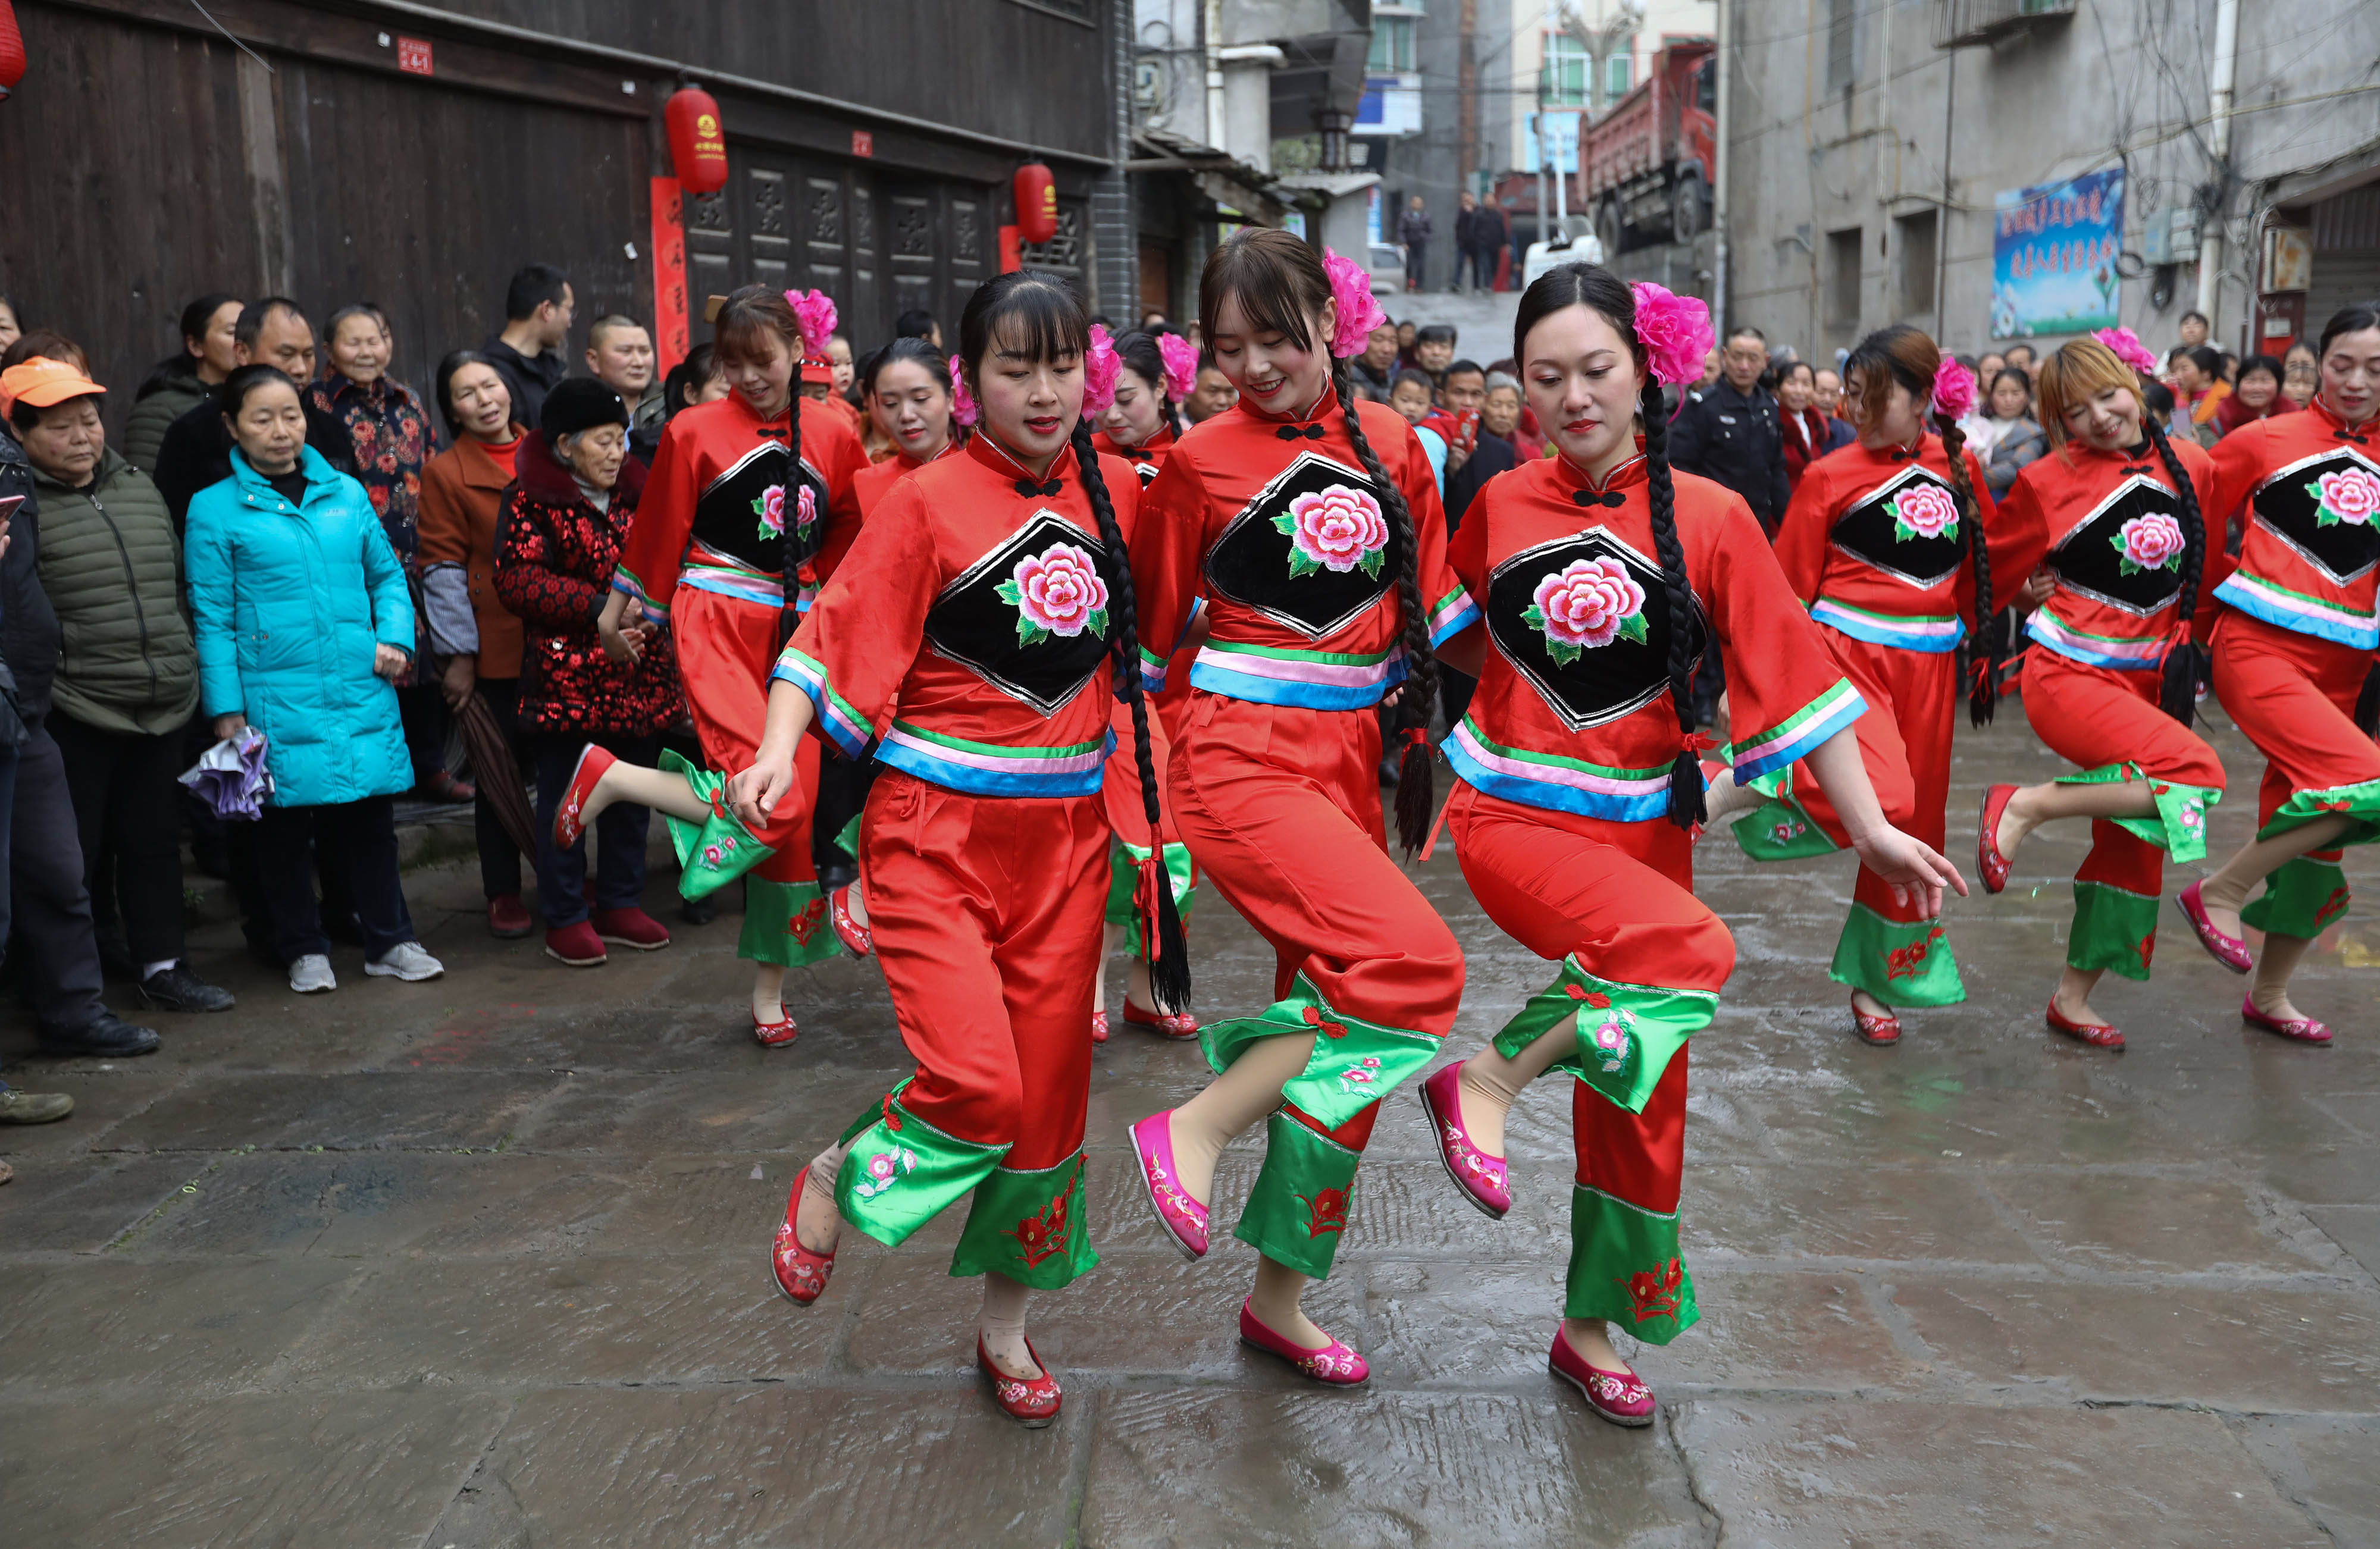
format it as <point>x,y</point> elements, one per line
<point>777,1033</point>
<point>856,938</point>
<point>2099,1034</point>
<point>2303,1030</point>
<point>1184,1218</point>
<point>1882,1032</point>
<point>2229,950</point>
<point>567,824</point>
<point>576,945</point>
<point>1481,1178</point>
<point>800,1273</point>
<point>631,927</point>
<point>1994,867</point>
<point>1334,1364</point>
<point>508,918</point>
<point>1620,1398</point>
<point>1030,1402</point>
<point>1177,1025</point>
<point>1099,1027</point>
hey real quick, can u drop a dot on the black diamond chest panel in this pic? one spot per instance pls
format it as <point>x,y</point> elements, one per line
<point>1910,526</point>
<point>2327,508</point>
<point>2127,553</point>
<point>743,513</point>
<point>1031,618</point>
<point>1311,551</point>
<point>1585,620</point>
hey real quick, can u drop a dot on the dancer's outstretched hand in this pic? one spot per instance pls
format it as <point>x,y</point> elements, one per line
<point>753,795</point>
<point>1913,869</point>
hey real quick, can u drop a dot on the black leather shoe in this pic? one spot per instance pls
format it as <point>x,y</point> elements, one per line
<point>109,1037</point>
<point>178,989</point>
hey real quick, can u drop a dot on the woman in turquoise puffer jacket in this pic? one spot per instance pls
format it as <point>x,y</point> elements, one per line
<point>302,620</point>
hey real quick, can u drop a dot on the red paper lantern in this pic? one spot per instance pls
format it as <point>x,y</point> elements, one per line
<point>1036,203</point>
<point>12,50</point>
<point>698,145</point>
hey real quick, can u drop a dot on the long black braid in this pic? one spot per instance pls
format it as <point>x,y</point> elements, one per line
<point>1168,950</point>
<point>789,554</point>
<point>2177,691</point>
<point>1984,696</point>
<point>1416,775</point>
<point>1686,804</point>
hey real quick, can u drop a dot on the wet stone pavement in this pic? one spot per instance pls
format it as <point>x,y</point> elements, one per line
<point>484,1263</point>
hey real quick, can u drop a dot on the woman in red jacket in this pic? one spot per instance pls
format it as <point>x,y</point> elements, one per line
<point>2121,507</point>
<point>743,496</point>
<point>908,392</point>
<point>1892,543</point>
<point>2292,648</point>
<point>987,606</point>
<point>1310,524</point>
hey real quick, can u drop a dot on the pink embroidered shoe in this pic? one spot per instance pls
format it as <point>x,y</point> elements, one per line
<point>1993,866</point>
<point>1620,1398</point>
<point>1184,1218</point>
<point>1334,1364</point>
<point>1480,1177</point>
<point>800,1273</point>
<point>567,823</point>
<point>2099,1034</point>
<point>1099,1027</point>
<point>1031,1402</point>
<point>2229,950</point>
<point>2305,1030</point>
<point>1178,1024</point>
<point>777,1033</point>
<point>856,938</point>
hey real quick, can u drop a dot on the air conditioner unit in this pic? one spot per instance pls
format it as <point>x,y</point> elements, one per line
<point>2170,236</point>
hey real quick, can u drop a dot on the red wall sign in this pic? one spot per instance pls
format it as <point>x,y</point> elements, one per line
<point>413,56</point>
<point>862,143</point>
<point>669,336</point>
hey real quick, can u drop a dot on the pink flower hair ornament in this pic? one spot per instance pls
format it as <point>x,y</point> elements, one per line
<point>1181,358</point>
<point>1101,365</point>
<point>1350,287</point>
<point>962,407</point>
<point>1675,332</point>
<point>2127,348</point>
<point>1954,389</point>
<point>814,312</point>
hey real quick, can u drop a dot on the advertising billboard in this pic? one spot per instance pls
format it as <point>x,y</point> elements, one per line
<point>2054,248</point>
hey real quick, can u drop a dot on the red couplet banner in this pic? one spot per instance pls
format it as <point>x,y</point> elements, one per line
<point>670,337</point>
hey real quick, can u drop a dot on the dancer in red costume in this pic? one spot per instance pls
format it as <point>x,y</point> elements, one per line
<point>1599,575</point>
<point>908,392</point>
<point>743,494</point>
<point>1893,544</point>
<point>2111,684</point>
<point>1310,524</point>
<point>989,607</point>
<point>2293,646</point>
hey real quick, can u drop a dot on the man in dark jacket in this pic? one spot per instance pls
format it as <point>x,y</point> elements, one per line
<point>1413,230</point>
<point>1729,432</point>
<point>196,452</point>
<point>529,354</point>
<point>1479,235</point>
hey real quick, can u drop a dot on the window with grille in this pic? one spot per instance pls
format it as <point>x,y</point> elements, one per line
<point>1566,67</point>
<point>1394,41</point>
<point>1619,75</point>
<point>1914,245</point>
<point>1843,278</point>
<point>1842,31</point>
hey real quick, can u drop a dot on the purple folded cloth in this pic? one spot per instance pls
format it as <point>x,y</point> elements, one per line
<point>231,778</point>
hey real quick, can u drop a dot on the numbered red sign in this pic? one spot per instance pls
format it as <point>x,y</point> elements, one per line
<point>862,143</point>
<point>413,56</point>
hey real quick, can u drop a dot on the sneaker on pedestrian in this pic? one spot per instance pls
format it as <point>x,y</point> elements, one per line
<point>576,945</point>
<point>508,917</point>
<point>176,988</point>
<point>631,927</point>
<point>106,1034</point>
<point>33,1108</point>
<point>311,974</point>
<point>404,961</point>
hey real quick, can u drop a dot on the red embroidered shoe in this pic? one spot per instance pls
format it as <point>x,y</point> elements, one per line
<point>1099,1027</point>
<point>2099,1034</point>
<point>508,917</point>
<point>2303,1030</point>
<point>801,1273</point>
<point>567,823</point>
<point>2229,950</point>
<point>1481,1178</point>
<point>777,1033</point>
<point>631,927</point>
<point>1180,1025</point>
<point>856,938</point>
<point>1030,1402</point>
<point>576,945</point>
<point>1334,1364</point>
<point>1993,865</point>
<point>1882,1032</point>
<point>1184,1218</point>
<point>1620,1398</point>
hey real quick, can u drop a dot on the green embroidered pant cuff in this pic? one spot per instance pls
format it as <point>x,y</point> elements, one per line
<point>1123,881</point>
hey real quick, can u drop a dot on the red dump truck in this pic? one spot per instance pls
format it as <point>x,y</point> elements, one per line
<point>1650,160</point>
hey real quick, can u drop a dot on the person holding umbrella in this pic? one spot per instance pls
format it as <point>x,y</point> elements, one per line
<point>566,516</point>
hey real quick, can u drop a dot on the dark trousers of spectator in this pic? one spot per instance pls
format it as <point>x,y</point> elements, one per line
<point>1483,267</point>
<point>844,784</point>
<point>1454,690</point>
<point>423,707</point>
<point>620,831</point>
<point>363,835</point>
<point>1416,265</point>
<point>7,808</point>
<point>130,824</point>
<point>500,858</point>
<point>52,907</point>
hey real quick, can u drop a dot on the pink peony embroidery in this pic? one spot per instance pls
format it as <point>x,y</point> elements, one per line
<point>2127,348</point>
<point>962,407</point>
<point>884,1169</point>
<point>770,507</point>
<point>1954,389</point>
<point>2352,496</point>
<point>1924,511</point>
<point>1350,287</point>
<point>1337,528</point>
<point>814,312</point>
<point>1100,365</point>
<point>1058,591</point>
<point>1181,358</point>
<point>2150,542</point>
<point>1586,604</point>
<point>1675,332</point>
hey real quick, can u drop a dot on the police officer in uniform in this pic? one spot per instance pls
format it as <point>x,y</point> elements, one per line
<point>1730,431</point>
